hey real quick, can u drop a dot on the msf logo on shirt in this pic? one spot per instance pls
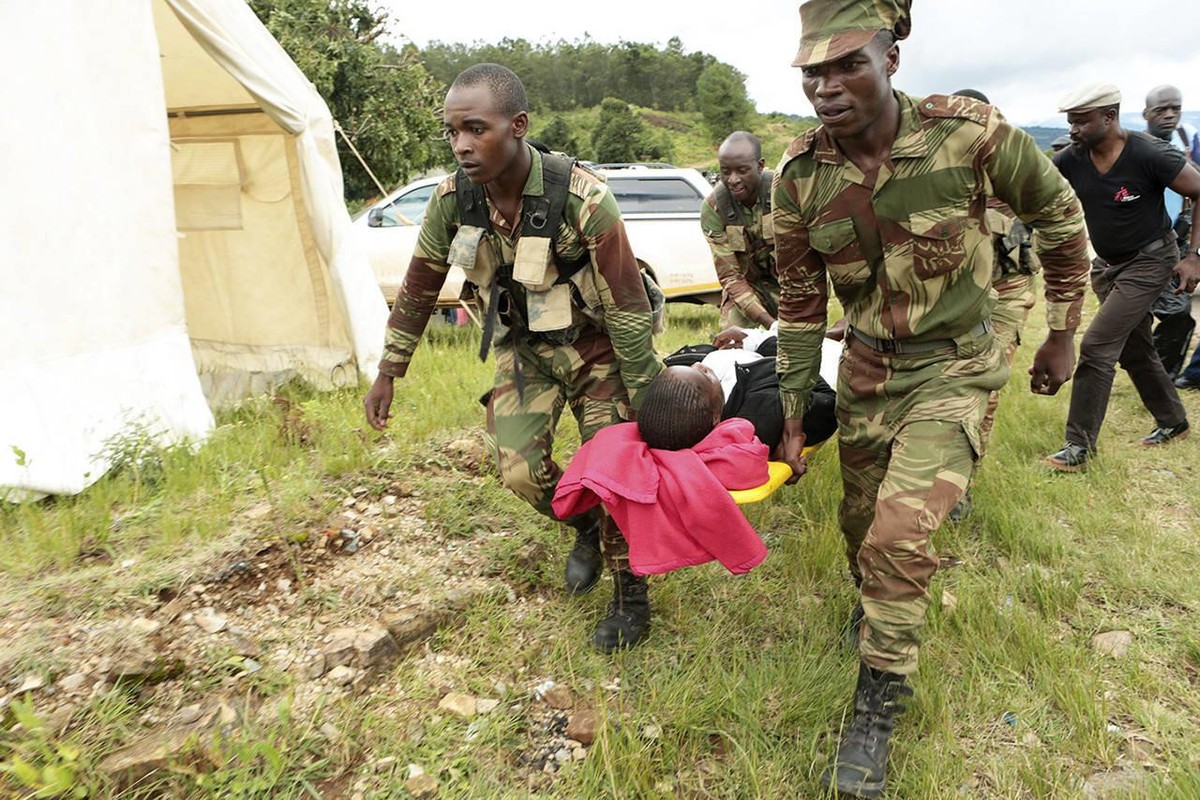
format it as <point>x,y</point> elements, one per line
<point>1123,195</point>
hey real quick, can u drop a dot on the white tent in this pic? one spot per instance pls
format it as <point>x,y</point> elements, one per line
<point>171,225</point>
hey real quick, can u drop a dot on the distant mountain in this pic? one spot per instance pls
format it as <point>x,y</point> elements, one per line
<point>1047,130</point>
<point>1042,135</point>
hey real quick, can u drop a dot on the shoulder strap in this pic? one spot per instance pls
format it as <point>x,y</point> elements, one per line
<point>471,201</point>
<point>556,186</point>
<point>725,204</point>
<point>764,191</point>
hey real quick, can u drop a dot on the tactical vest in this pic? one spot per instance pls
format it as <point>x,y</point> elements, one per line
<point>760,250</point>
<point>533,292</point>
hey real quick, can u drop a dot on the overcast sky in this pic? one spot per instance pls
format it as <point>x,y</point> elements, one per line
<point>1024,54</point>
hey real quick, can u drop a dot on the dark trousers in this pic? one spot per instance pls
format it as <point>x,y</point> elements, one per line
<point>1172,336</point>
<point>1120,333</point>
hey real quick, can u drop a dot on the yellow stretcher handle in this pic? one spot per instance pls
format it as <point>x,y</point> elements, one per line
<point>777,473</point>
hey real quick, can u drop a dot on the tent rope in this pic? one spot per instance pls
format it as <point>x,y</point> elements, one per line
<point>337,127</point>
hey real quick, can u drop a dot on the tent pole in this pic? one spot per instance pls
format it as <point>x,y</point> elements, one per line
<point>361,160</point>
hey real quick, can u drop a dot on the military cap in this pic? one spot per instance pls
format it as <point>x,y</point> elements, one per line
<point>1060,142</point>
<point>1098,95</point>
<point>831,29</point>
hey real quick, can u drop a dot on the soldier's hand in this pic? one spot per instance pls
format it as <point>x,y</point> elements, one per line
<point>1053,363</point>
<point>837,331</point>
<point>729,339</point>
<point>378,401</point>
<point>791,445</point>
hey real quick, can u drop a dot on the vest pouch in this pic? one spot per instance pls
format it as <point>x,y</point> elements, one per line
<point>549,310</point>
<point>532,261</point>
<point>736,236</point>
<point>464,246</point>
<point>768,227</point>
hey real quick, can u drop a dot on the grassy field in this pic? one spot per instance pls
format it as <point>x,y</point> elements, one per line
<point>739,691</point>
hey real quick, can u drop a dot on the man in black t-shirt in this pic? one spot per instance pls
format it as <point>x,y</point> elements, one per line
<point>1120,176</point>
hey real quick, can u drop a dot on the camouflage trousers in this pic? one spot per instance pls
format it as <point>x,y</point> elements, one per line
<point>1016,298</point>
<point>908,429</point>
<point>520,432</point>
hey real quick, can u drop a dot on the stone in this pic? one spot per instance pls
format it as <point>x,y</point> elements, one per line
<point>31,683</point>
<point>72,683</point>
<point>316,667</point>
<point>1139,748</point>
<point>210,621</point>
<point>422,786</point>
<point>169,612</point>
<point>384,764</point>
<point>144,626</point>
<point>150,754</point>
<point>652,732</point>
<point>245,646</point>
<point>188,714</point>
<point>486,706</point>
<point>463,706</point>
<point>375,648</point>
<point>144,668</point>
<point>340,649</point>
<point>582,727</point>
<point>1113,643</point>
<point>949,602</point>
<point>558,697</point>
<point>341,675</point>
<point>330,732</point>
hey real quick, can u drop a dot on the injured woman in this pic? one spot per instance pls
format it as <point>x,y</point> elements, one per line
<point>702,431</point>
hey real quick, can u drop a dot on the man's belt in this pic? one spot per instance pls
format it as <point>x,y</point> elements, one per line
<point>904,347</point>
<point>1158,244</point>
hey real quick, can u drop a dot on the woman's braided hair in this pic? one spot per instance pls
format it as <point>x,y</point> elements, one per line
<point>674,414</point>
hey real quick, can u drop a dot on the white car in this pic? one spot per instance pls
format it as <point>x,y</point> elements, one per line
<point>660,206</point>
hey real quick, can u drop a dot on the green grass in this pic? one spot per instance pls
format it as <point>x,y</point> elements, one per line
<point>744,680</point>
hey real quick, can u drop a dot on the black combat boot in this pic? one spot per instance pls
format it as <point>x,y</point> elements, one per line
<point>860,766</point>
<point>628,614</point>
<point>584,564</point>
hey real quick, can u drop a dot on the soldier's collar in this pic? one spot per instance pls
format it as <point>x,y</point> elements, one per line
<point>911,141</point>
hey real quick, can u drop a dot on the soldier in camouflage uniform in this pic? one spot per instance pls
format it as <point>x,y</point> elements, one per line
<point>736,219</point>
<point>886,201</point>
<point>564,303</point>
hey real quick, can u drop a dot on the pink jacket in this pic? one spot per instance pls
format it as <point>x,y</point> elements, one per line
<point>673,506</point>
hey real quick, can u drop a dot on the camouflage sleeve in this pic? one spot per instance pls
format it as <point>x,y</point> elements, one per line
<point>627,314</point>
<point>730,272</point>
<point>804,296</point>
<point>1022,176</point>
<point>422,283</point>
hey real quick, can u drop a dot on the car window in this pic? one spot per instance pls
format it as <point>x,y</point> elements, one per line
<point>654,195</point>
<point>408,208</point>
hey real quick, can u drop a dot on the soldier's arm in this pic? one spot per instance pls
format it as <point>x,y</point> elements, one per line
<point>729,272</point>
<point>422,283</point>
<point>803,300</point>
<point>1022,176</point>
<point>622,293</point>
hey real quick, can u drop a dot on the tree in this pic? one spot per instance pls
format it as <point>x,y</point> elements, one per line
<point>722,101</point>
<point>557,135</point>
<point>619,132</point>
<point>383,99</point>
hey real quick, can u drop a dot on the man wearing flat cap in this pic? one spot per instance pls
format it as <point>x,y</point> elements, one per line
<point>886,201</point>
<point>1120,176</point>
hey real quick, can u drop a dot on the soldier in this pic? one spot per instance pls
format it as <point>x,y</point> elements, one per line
<point>1120,176</point>
<point>541,241</point>
<point>886,202</point>
<point>1012,278</point>
<point>736,218</point>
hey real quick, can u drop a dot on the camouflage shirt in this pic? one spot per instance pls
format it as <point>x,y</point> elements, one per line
<point>925,213</point>
<point>613,297</point>
<point>744,268</point>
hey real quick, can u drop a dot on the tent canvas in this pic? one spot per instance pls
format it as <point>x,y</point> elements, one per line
<point>173,225</point>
